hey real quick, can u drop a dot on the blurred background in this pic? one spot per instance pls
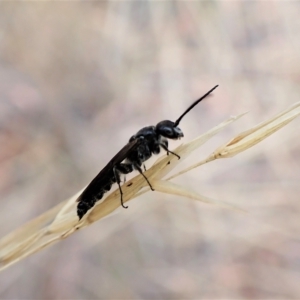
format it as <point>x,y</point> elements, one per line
<point>77,79</point>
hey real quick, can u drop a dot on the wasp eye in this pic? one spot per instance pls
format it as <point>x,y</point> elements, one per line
<point>167,130</point>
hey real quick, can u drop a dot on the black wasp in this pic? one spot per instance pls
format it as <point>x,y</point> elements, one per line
<point>147,141</point>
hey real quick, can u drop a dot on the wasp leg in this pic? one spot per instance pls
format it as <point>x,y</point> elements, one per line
<point>117,176</point>
<point>138,168</point>
<point>124,169</point>
<point>169,151</point>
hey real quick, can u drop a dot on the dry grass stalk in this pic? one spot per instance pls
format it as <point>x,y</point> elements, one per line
<point>61,221</point>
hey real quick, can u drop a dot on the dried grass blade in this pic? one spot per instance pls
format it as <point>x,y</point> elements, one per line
<point>37,235</point>
<point>25,232</point>
<point>251,137</point>
<point>175,189</point>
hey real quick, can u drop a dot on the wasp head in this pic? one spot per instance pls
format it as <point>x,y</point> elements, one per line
<point>169,130</point>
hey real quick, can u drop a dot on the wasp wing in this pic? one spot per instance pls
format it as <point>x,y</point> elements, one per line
<point>106,175</point>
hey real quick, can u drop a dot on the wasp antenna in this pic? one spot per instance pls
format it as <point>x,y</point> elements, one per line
<point>193,105</point>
